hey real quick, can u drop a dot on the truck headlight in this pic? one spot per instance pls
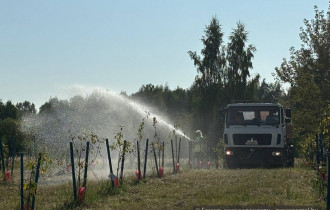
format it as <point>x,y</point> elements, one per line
<point>276,153</point>
<point>229,152</point>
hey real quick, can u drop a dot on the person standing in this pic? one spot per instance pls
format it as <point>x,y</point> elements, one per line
<point>198,149</point>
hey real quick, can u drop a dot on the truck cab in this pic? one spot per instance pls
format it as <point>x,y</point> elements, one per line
<point>257,134</point>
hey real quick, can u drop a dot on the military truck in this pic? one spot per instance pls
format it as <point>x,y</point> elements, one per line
<point>257,134</point>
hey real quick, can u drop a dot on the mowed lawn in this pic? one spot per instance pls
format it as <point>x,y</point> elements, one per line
<point>290,187</point>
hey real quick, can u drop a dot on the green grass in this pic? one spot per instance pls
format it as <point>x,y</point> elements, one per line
<point>243,187</point>
<point>223,187</point>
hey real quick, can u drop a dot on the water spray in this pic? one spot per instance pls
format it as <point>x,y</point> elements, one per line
<point>101,112</point>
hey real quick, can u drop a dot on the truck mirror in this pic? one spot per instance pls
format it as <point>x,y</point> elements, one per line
<point>288,113</point>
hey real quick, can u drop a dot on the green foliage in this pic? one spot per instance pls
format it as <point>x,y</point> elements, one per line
<point>269,92</point>
<point>307,72</point>
<point>30,188</point>
<point>10,124</point>
<point>5,148</point>
<point>325,123</point>
<point>53,104</point>
<point>239,60</point>
<point>79,147</point>
<point>219,150</point>
<point>118,145</point>
<point>141,127</point>
<point>8,110</point>
<point>26,108</point>
<point>210,68</point>
<point>157,143</point>
<point>11,133</point>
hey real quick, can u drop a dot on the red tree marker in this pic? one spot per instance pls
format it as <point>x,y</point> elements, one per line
<point>26,207</point>
<point>81,194</point>
<point>200,164</point>
<point>115,181</point>
<point>138,174</point>
<point>209,165</point>
<point>68,168</point>
<point>325,177</point>
<point>161,172</point>
<point>177,166</point>
<point>8,175</point>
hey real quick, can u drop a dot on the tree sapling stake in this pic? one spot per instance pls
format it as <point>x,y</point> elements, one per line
<point>173,156</point>
<point>123,161</point>
<point>36,181</point>
<point>145,159</point>
<point>139,164</point>
<point>163,154</point>
<point>86,165</point>
<point>179,151</point>
<point>153,148</point>
<point>22,182</point>
<point>110,164</point>
<point>73,173</point>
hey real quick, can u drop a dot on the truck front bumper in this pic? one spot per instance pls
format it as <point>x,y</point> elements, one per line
<point>246,156</point>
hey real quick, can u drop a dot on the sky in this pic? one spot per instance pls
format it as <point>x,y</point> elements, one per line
<point>51,48</point>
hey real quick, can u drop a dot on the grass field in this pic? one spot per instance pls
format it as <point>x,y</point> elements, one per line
<point>238,187</point>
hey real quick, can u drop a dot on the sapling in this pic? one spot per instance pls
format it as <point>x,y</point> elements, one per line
<point>157,144</point>
<point>31,187</point>
<point>122,146</point>
<point>79,144</point>
<point>173,135</point>
<point>138,141</point>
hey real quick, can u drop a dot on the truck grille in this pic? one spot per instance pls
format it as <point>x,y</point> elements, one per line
<point>252,139</point>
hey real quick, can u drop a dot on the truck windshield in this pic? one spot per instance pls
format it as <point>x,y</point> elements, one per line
<point>253,115</point>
